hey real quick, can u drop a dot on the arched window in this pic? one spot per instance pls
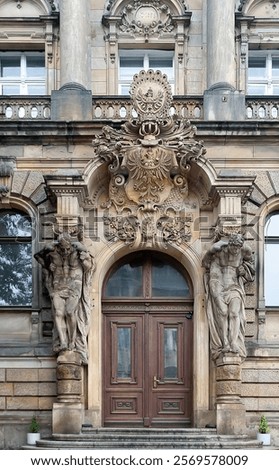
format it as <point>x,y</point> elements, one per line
<point>147,276</point>
<point>271,264</point>
<point>16,259</point>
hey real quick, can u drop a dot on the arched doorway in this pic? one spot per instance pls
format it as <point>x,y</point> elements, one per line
<point>147,343</point>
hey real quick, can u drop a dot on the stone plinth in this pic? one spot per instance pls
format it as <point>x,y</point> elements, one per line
<point>67,414</point>
<point>67,418</point>
<point>71,102</point>
<point>230,411</point>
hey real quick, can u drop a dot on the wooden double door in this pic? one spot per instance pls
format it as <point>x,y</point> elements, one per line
<point>147,343</point>
<point>148,367</point>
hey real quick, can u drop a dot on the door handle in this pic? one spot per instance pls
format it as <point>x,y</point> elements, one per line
<point>155,381</point>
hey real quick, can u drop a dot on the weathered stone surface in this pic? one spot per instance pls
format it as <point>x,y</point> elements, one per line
<point>228,388</point>
<point>46,403</point>
<point>260,390</point>
<point>33,181</point>
<point>22,403</point>
<point>228,372</point>
<point>47,375</point>
<point>26,389</point>
<point>2,405</point>
<point>47,389</point>
<point>69,371</point>
<point>69,387</point>
<point>22,375</point>
<point>260,376</point>
<point>19,179</point>
<point>2,375</point>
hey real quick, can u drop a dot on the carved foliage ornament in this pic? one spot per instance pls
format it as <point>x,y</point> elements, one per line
<point>148,161</point>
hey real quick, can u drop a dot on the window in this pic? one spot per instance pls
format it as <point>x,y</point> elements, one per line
<point>132,61</point>
<point>271,261</point>
<point>16,259</point>
<point>263,73</point>
<point>147,276</point>
<point>22,73</point>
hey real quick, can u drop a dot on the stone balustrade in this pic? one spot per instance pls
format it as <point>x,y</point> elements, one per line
<point>119,108</point>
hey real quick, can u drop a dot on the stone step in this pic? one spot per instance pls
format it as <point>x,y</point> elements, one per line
<point>144,438</point>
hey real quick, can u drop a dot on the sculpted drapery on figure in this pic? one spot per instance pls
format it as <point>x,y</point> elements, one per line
<point>67,268</point>
<point>229,266</point>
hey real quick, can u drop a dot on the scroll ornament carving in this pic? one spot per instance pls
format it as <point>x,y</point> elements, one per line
<point>149,160</point>
<point>229,265</point>
<point>146,18</point>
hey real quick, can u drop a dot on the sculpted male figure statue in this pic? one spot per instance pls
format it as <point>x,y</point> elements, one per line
<point>67,268</point>
<point>229,266</point>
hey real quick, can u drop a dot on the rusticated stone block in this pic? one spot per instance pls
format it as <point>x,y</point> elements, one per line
<point>26,389</point>
<point>22,375</point>
<point>6,389</point>
<point>48,389</point>
<point>228,372</point>
<point>22,403</point>
<point>2,375</point>
<point>47,375</point>
<point>69,387</point>
<point>2,403</point>
<point>228,388</point>
<point>46,403</point>
<point>68,372</point>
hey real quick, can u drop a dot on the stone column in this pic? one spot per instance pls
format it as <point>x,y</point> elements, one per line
<point>222,101</point>
<point>230,417</point>
<point>73,101</point>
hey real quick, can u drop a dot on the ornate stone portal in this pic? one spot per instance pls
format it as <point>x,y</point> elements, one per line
<point>149,160</point>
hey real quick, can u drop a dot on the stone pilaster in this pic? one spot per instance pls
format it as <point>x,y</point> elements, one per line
<point>221,100</point>
<point>74,100</point>
<point>230,411</point>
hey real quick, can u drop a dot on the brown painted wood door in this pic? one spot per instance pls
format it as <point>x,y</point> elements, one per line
<point>147,361</point>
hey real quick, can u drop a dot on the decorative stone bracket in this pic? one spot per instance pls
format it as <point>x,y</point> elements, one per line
<point>70,192</point>
<point>229,193</point>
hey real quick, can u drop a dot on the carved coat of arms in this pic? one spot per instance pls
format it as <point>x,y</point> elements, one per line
<point>149,159</point>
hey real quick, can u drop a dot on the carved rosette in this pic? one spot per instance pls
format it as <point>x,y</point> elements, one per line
<point>149,160</point>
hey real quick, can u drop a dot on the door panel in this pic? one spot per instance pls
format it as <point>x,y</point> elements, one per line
<point>170,370</point>
<point>148,369</point>
<point>123,362</point>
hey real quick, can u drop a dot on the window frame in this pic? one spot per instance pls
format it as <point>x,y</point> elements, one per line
<point>13,240</point>
<point>270,240</point>
<point>23,81</point>
<point>267,80</point>
<point>146,55</point>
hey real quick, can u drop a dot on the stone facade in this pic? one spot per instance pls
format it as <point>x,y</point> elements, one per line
<point>172,169</point>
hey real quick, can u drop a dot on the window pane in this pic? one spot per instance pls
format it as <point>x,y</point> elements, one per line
<point>11,90</point>
<point>256,67</point>
<point>124,352</point>
<point>271,275</point>
<point>35,66</point>
<point>36,89</point>
<point>10,67</point>
<point>275,67</point>
<point>15,274</point>
<point>125,282</point>
<point>131,62</point>
<point>275,89</point>
<point>15,225</point>
<point>168,282</point>
<point>160,62</point>
<point>170,353</point>
<point>256,89</point>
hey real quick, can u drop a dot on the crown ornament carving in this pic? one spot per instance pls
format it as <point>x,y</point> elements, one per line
<point>149,160</point>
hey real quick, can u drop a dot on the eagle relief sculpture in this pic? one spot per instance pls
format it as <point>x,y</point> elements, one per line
<point>148,160</point>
